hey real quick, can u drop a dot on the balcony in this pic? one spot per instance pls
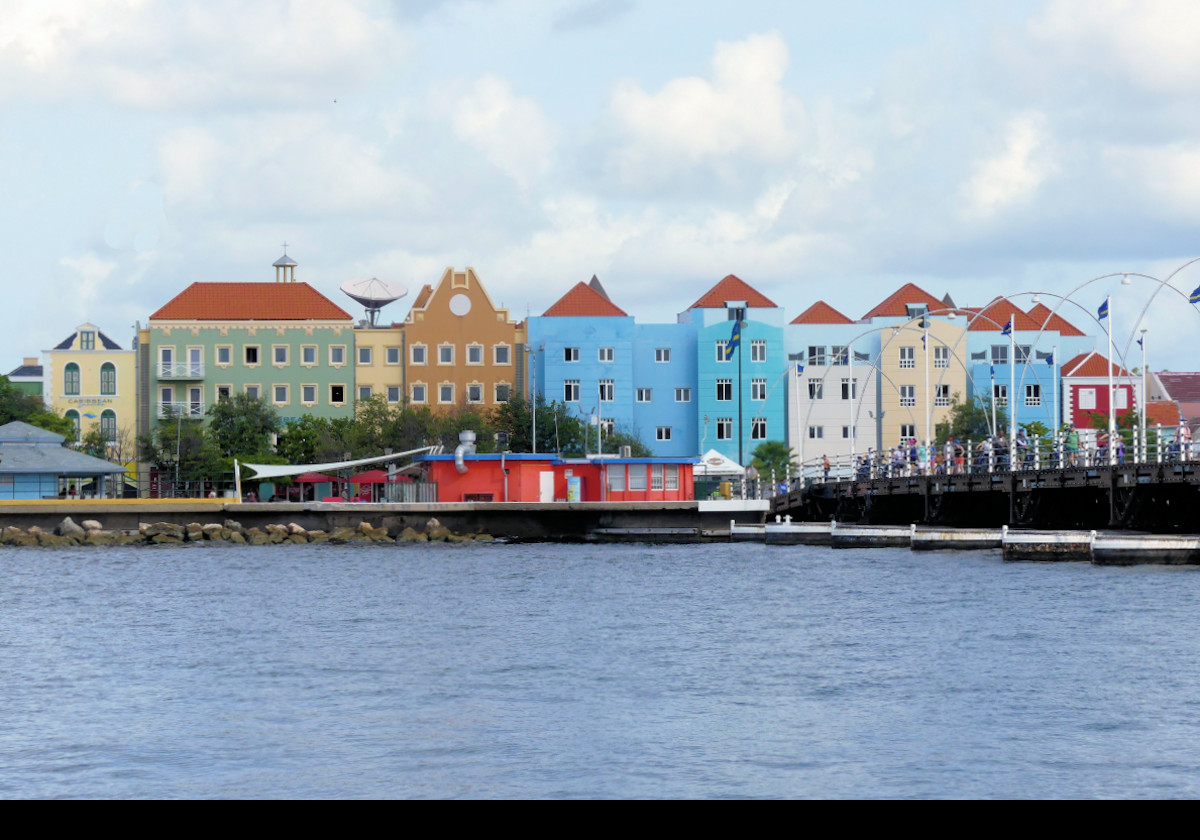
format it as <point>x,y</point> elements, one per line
<point>182,370</point>
<point>186,410</point>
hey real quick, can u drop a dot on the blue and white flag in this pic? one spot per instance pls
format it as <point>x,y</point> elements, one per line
<point>1102,312</point>
<point>735,339</point>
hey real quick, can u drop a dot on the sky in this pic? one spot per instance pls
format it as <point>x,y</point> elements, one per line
<point>819,151</point>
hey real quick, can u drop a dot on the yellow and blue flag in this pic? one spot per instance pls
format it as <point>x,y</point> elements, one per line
<point>1102,312</point>
<point>1195,296</point>
<point>1007,328</point>
<point>734,340</point>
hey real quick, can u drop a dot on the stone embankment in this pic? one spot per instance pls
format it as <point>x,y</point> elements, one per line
<point>229,532</point>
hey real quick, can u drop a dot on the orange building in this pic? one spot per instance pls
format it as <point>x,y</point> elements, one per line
<point>460,348</point>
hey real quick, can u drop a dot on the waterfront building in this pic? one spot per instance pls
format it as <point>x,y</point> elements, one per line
<point>1179,389</point>
<point>92,381</point>
<point>34,464</point>
<point>282,342</point>
<point>1085,381</point>
<point>27,377</point>
<point>379,363</point>
<point>740,393</point>
<point>459,348</point>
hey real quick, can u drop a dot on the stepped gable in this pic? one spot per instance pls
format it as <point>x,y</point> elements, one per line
<point>732,287</point>
<point>1044,317</point>
<point>995,315</point>
<point>895,305</point>
<point>583,301</point>
<point>250,302</point>
<point>1092,365</point>
<point>821,313</point>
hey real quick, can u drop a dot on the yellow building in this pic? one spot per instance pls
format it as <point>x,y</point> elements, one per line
<point>91,380</point>
<point>379,363</point>
<point>921,370</point>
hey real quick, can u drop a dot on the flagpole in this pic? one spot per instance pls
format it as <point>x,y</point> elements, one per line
<point>1112,402</point>
<point>1142,342</point>
<point>1012,387</point>
<point>993,372</point>
<point>800,430</point>
<point>850,393</point>
<point>1055,421</point>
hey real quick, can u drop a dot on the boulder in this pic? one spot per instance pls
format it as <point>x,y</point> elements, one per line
<point>91,525</point>
<point>411,535</point>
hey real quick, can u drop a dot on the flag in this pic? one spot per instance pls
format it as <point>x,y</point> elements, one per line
<point>1195,296</point>
<point>1007,328</point>
<point>799,368</point>
<point>1102,312</point>
<point>734,339</point>
<point>1141,343</point>
<point>1050,359</point>
<point>993,371</point>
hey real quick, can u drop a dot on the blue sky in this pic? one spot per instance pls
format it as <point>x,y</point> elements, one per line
<point>818,151</point>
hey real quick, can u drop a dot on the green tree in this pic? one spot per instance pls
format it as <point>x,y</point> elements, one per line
<point>970,420</point>
<point>17,405</point>
<point>773,455</point>
<point>241,427</point>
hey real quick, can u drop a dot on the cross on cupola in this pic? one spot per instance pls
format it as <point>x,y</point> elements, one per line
<point>285,268</point>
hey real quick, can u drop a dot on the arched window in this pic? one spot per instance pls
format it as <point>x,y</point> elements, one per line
<point>71,380</point>
<point>108,425</point>
<point>73,416</point>
<point>108,379</point>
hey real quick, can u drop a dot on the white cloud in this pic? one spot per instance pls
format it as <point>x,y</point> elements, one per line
<point>511,132</point>
<point>90,274</point>
<point>160,54</point>
<point>1168,176</point>
<point>742,111</point>
<point>1012,176</point>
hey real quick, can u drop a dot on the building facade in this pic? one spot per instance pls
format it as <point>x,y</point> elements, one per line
<point>91,380</point>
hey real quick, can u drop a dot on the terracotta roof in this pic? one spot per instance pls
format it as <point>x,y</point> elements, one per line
<point>1091,364</point>
<point>250,302</point>
<point>995,315</point>
<point>1164,413</point>
<point>821,313</point>
<point>894,305</point>
<point>733,287</point>
<point>1042,315</point>
<point>1181,387</point>
<point>583,301</point>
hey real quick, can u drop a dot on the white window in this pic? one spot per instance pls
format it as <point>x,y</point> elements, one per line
<point>758,389</point>
<point>279,354</point>
<point>418,394</point>
<point>364,392</point>
<point>337,355</point>
<point>337,394</point>
<point>1122,399</point>
<point>999,354</point>
<point>908,396</point>
<point>672,477</point>
<point>637,477</point>
<point>502,354</point>
<point>253,392</point>
<point>416,354</point>
<point>224,392</point>
<point>816,356</point>
<point>1033,395</point>
<point>224,354</point>
<point>656,476</point>
<point>445,393</point>
<point>391,355</point>
<point>616,477</point>
<point>758,428</point>
<point>758,350</point>
<point>941,357</point>
<point>445,354</point>
<point>816,432</point>
<point>908,432</point>
<point>683,395</point>
<point>474,354</point>
<point>250,354</point>
<point>571,390</point>
<point>308,355</point>
<point>663,433</point>
<point>279,394</point>
<point>849,389</point>
<point>503,392</point>
<point>607,390</point>
<point>570,354</point>
<point>721,345</point>
<point>1087,397</point>
<point>364,355</point>
<point>724,390</point>
<point>662,354</point>
<point>605,354</point>
<point>724,428</point>
<point>644,395</point>
<point>474,393</point>
<point>941,395</point>
<point>1023,352</point>
<point>846,432</point>
<point>908,357</point>
<point>816,389</point>
<point>838,356</point>
<point>308,394</point>
<point>1000,394</point>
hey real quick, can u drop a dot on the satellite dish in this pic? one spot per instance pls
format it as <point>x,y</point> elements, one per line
<point>374,294</point>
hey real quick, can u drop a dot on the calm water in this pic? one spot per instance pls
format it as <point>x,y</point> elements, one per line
<point>592,671</point>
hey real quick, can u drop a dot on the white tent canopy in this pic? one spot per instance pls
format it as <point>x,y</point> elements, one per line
<point>713,463</point>
<point>269,471</point>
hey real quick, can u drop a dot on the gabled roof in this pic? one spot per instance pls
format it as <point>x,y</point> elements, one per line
<point>1181,387</point>
<point>583,301</point>
<point>821,313</point>
<point>1162,413</point>
<point>250,302</point>
<point>32,371</point>
<point>1043,316</point>
<point>895,305</point>
<point>732,287</point>
<point>993,317</point>
<point>105,342</point>
<point>1091,364</point>
<point>19,431</point>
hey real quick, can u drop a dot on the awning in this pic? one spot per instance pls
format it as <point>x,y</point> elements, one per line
<point>269,471</point>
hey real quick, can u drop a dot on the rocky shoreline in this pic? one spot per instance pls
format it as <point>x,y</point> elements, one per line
<point>229,532</point>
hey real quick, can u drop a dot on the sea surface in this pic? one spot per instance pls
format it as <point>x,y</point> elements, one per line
<point>592,671</point>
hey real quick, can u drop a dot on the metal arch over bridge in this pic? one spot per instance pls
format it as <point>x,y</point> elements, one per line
<point>1156,497</point>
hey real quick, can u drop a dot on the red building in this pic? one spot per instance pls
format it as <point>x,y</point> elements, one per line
<point>548,478</point>
<point>1085,389</point>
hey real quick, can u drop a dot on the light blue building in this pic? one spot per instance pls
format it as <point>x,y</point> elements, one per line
<point>740,396</point>
<point>34,464</point>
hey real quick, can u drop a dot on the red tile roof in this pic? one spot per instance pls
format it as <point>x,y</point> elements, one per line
<point>821,313</point>
<point>894,305</point>
<point>1091,364</point>
<point>583,301</point>
<point>995,315</point>
<point>250,302</point>
<point>732,287</point>
<point>1042,315</point>
<point>1164,413</point>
